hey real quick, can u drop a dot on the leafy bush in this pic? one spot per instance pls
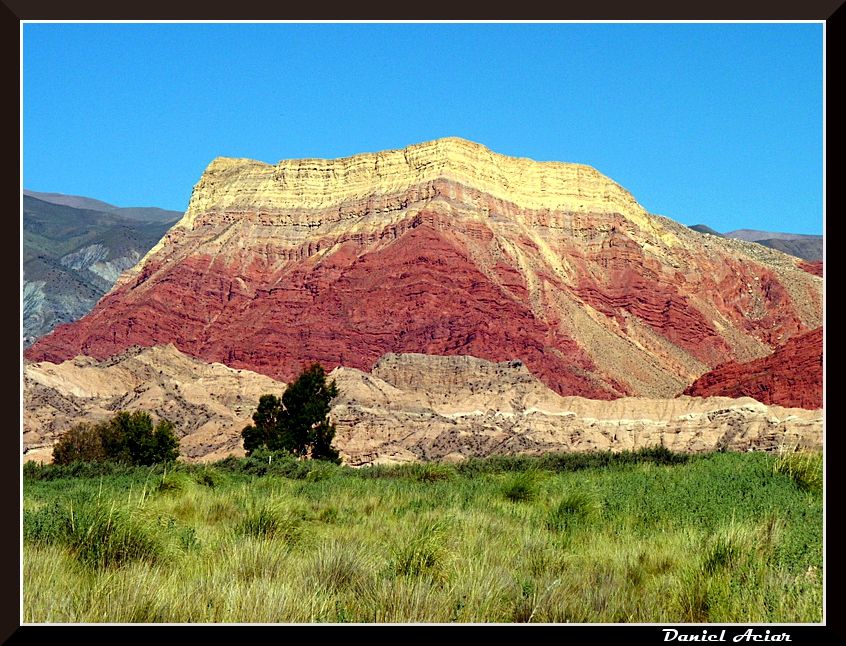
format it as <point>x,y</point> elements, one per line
<point>34,471</point>
<point>262,462</point>
<point>82,443</point>
<point>128,438</point>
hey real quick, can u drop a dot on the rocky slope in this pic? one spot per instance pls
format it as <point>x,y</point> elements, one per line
<point>790,376</point>
<point>813,267</point>
<point>447,248</point>
<point>410,407</point>
<point>208,403</point>
<point>72,256</point>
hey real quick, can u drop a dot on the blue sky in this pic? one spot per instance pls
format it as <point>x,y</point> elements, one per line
<point>705,123</point>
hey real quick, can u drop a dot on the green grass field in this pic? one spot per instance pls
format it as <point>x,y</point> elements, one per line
<point>587,538</point>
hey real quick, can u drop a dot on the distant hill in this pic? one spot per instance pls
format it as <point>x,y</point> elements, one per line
<point>72,256</point>
<point>807,247</point>
<point>753,235</point>
<point>145,213</point>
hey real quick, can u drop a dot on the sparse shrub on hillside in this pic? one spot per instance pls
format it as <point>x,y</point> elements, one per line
<point>298,423</point>
<point>128,438</point>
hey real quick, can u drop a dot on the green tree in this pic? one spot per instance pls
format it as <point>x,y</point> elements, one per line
<point>298,422</point>
<point>165,442</point>
<point>263,430</point>
<point>127,437</point>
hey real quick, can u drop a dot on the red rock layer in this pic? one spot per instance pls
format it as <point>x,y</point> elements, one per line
<point>420,294</point>
<point>791,376</point>
<point>814,267</point>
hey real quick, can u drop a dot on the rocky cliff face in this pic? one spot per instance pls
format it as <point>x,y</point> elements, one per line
<point>447,248</point>
<point>790,376</point>
<point>411,407</point>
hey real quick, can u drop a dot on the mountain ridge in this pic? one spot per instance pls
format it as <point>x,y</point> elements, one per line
<point>342,261</point>
<point>144,213</point>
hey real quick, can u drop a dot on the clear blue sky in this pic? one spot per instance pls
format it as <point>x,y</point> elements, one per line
<point>714,124</point>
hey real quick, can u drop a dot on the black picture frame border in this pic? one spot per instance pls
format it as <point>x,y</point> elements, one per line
<point>13,12</point>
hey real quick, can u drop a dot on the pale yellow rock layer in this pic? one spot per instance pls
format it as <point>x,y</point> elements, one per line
<point>232,184</point>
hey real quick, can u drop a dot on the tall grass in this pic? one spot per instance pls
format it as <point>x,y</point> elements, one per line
<point>645,538</point>
<point>99,534</point>
<point>424,551</point>
<point>805,468</point>
<point>573,508</point>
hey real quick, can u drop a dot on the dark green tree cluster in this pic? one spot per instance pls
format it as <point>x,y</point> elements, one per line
<point>130,438</point>
<point>298,423</point>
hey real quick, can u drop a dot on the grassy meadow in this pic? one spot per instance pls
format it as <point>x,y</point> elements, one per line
<point>649,536</point>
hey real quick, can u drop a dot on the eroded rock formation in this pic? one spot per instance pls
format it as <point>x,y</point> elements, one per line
<point>411,407</point>
<point>447,248</point>
<point>790,376</point>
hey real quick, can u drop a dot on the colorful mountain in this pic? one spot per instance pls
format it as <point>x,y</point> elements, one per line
<point>447,248</point>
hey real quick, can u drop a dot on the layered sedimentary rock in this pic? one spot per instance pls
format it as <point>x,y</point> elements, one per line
<point>790,376</point>
<point>447,248</point>
<point>411,407</point>
<point>209,404</point>
<point>813,267</point>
